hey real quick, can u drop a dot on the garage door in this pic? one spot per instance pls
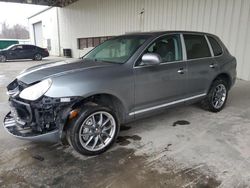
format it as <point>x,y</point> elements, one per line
<point>38,34</point>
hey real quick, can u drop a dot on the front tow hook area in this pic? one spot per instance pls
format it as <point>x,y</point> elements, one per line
<point>13,129</point>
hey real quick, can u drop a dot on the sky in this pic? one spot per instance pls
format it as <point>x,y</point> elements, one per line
<point>17,13</point>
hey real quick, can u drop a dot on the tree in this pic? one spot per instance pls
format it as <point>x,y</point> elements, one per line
<point>17,31</point>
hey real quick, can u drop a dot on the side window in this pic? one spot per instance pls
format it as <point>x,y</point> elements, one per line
<point>196,46</point>
<point>28,47</point>
<point>215,46</point>
<point>168,47</point>
<point>19,47</point>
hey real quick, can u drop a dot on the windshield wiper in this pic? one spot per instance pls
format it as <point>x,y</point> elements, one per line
<point>100,60</point>
<point>105,61</point>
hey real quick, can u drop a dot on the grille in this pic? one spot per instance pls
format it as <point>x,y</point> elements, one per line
<point>21,111</point>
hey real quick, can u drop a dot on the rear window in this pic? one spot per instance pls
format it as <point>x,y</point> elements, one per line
<point>196,46</point>
<point>215,46</point>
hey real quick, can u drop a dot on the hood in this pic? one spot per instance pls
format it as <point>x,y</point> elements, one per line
<point>49,70</point>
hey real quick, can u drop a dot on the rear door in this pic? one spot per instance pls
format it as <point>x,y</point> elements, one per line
<point>28,51</point>
<point>201,65</point>
<point>157,86</point>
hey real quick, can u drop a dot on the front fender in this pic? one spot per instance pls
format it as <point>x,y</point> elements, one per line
<point>118,83</point>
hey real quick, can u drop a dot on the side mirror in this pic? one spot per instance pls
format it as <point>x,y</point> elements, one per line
<point>151,59</point>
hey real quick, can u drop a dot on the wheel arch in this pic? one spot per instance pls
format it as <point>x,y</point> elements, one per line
<point>108,100</point>
<point>224,76</point>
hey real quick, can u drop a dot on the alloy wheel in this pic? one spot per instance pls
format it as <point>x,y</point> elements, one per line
<point>38,57</point>
<point>219,96</point>
<point>97,131</point>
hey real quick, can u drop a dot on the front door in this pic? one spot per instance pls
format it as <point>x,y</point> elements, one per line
<point>158,86</point>
<point>17,52</point>
<point>28,51</point>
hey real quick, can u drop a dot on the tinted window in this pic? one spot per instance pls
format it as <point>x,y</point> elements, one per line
<point>215,46</point>
<point>19,47</point>
<point>196,46</point>
<point>28,47</point>
<point>168,47</point>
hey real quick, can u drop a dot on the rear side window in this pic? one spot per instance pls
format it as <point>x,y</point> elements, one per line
<point>28,47</point>
<point>215,46</point>
<point>196,46</point>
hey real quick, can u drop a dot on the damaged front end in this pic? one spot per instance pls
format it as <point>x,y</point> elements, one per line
<point>39,120</point>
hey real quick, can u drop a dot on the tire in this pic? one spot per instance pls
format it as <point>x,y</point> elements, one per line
<point>217,96</point>
<point>96,136</point>
<point>2,58</point>
<point>38,57</point>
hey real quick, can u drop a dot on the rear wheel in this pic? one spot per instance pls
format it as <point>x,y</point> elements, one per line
<point>94,131</point>
<point>2,58</point>
<point>217,96</point>
<point>38,57</point>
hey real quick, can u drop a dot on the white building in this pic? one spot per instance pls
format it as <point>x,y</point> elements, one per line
<point>85,23</point>
<point>44,31</point>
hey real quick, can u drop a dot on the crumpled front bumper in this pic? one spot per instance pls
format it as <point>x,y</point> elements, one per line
<point>40,120</point>
<point>12,127</point>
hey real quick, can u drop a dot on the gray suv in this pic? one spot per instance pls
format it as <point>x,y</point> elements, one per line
<point>128,77</point>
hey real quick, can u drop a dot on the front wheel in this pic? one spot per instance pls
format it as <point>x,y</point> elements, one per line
<point>94,130</point>
<point>2,58</point>
<point>216,97</point>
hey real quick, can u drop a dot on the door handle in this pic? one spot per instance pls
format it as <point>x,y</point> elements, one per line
<point>212,66</point>
<point>181,71</point>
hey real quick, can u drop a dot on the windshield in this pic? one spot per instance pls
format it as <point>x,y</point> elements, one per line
<point>116,50</point>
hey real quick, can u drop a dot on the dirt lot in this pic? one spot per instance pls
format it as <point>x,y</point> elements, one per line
<point>182,147</point>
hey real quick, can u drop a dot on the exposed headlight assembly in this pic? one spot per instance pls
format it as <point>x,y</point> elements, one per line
<point>34,92</point>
